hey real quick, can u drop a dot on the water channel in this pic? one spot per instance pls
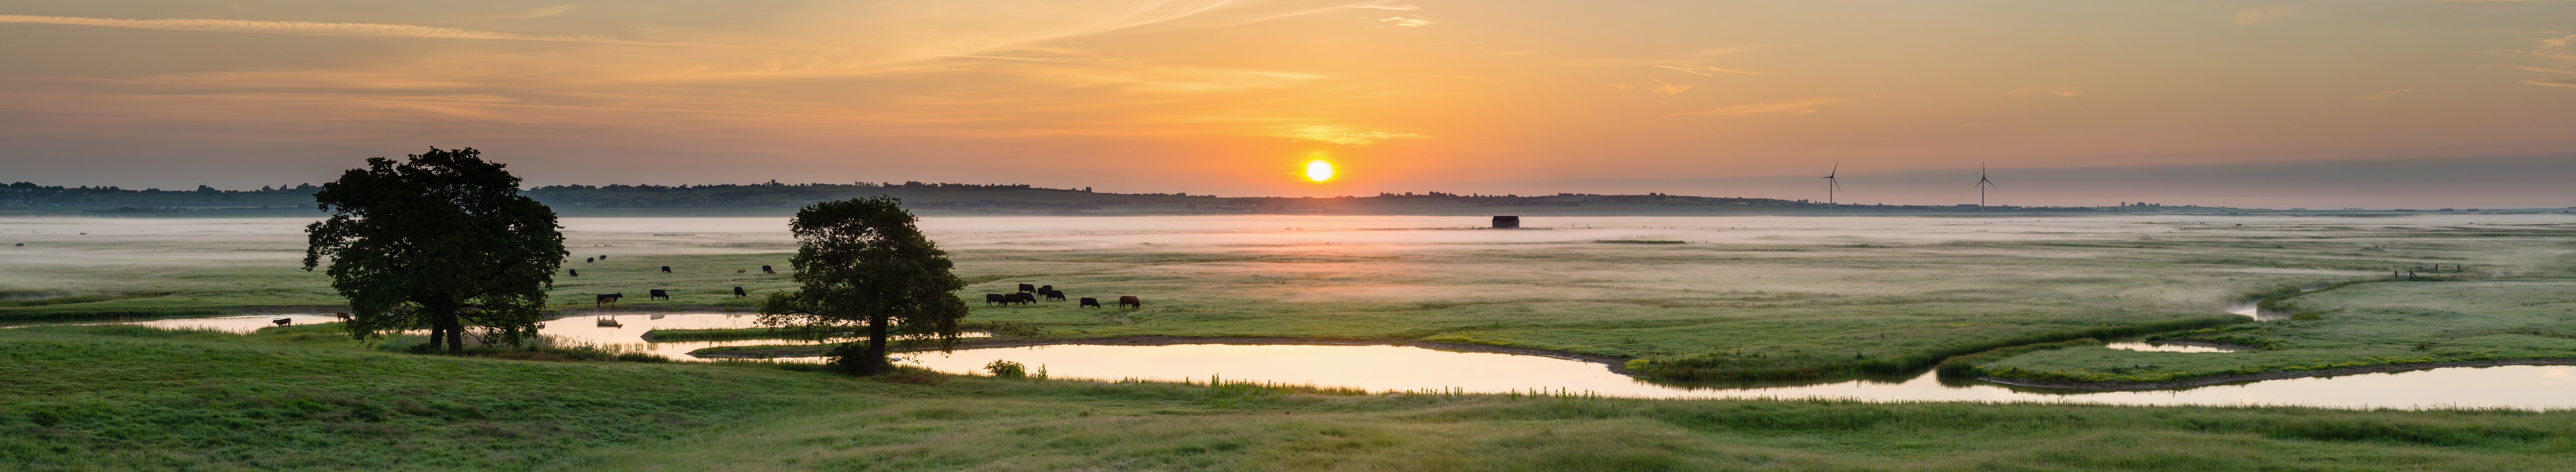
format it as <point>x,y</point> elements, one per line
<point>1382,368</point>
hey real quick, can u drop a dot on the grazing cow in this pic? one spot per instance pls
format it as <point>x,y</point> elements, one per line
<point>283,321</point>
<point>586,259</point>
<point>1028,288</point>
<point>738,271</point>
<point>658,293</point>
<point>1053,294</point>
<point>666,269</point>
<point>575,272</point>
<point>1023,298</point>
<point>1130,301</point>
<point>765,269</point>
<point>607,298</point>
<point>344,316</point>
<point>738,293</point>
<point>989,298</point>
<point>1090,302</point>
<point>603,258</point>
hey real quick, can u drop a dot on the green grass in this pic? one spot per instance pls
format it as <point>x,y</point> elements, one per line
<point>2360,325</point>
<point>303,398</point>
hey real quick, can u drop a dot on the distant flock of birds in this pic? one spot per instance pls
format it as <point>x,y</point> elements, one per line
<point>1023,296</point>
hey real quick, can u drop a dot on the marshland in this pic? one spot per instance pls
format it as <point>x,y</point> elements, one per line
<point>1360,342</point>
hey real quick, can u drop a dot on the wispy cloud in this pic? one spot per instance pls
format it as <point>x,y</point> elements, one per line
<point>1671,89</point>
<point>1360,138</point>
<point>1387,7</point>
<point>1760,108</point>
<point>2540,69</point>
<point>539,12</point>
<point>2053,90</point>
<point>2258,15</point>
<point>1712,70</point>
<point>306,28</point>
<point>1402,21</point>
<point>2552,82</point>
<point>2383,95</point>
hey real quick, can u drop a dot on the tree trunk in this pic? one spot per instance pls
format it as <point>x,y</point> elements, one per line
<point>455,334</point>
<point>876,347</point>
<point>437,336</point>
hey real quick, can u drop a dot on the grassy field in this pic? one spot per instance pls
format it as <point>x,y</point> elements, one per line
<point>1774,297</point>
<point>2359,325</point>
<point>303,398</point>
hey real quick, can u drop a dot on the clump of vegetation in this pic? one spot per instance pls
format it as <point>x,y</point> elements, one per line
<point>1759,366</point>
<point>536,348</point>
<point>863,266</point>
<point>1013,370</point>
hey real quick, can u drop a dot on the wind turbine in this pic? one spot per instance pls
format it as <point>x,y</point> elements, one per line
<point>1831,183</point>
<point>1982,184</point>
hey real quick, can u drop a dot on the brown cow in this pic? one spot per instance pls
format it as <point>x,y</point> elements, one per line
<point>1130,301</point>
<point>283,321</point>
<point>738,271</point>
<point>344,316</point>
<point>607,298</point>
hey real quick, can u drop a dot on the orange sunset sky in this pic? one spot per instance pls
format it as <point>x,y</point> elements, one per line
<point>2283,103</point>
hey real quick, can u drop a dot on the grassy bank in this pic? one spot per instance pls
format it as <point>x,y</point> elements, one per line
<point>143,399</point>
<point>2360,325</point>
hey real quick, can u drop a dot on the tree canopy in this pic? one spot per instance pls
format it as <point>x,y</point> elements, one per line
<point>864,265</point>
<point>443,240</point>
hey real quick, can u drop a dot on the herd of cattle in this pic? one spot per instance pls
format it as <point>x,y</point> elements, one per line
<point>1023,296</point>
<point>1028,293</point>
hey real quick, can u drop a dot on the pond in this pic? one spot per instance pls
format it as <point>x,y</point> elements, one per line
<point>1404,368</point>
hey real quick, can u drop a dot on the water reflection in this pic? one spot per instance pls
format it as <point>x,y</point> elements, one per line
<point>2172,347</point>
<point>1395,368</point>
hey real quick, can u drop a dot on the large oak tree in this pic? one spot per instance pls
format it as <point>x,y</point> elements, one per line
<point>866,268</point>
<point>444,239</point>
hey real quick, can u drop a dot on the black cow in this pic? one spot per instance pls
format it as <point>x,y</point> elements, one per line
<point>575,272</point>
<point>344,316</point>
<point>990,298</point>
<point>606,298</point>
<point>765,270</point>
<point>586,259</point>
<point>666,269</point>
<point>1053,294</point>
<point>1023,298</point>
<point>1130,300</point>
<point>738,293</point>
<point>1091,302</point>
<point>283,321</point>
<point>658,293</point>
<point>1028,288</point>
<point>603,258</point>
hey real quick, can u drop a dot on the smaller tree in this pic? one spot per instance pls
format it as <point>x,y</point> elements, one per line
<point>864,267</point>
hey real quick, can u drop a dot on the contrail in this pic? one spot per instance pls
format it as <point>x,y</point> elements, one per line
<point>314,29</point>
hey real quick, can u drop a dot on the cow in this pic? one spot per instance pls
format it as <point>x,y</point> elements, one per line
<point>738,271</point>
<point>1023,298</point>
<point>1053,294</point>
<point>1090,302</point>
<point>603,257</point>
<point>666,269</point>
<point>1042,289</point>
<point>658,293</point>
<point>607,298</point>
<point>738,293</point>
<point>575,272</point>
<point>344,316</point>
<point>1028,288</point>
<point>765,270</point>
<point>283,321</point>
<point>990,298</point>
<point>586,259</point>
<point>1125,301</point>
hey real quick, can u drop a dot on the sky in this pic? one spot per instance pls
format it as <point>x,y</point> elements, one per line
<point>2322,103</point>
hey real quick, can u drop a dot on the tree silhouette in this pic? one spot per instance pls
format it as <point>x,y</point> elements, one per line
<point>864,265</point>
<point>444,240</point>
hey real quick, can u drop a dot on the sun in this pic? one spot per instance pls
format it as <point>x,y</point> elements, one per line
<point>1319,170</point>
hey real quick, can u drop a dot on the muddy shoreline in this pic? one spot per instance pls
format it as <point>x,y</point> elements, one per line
<point>1614,363</point>
<point>2287,374</point>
